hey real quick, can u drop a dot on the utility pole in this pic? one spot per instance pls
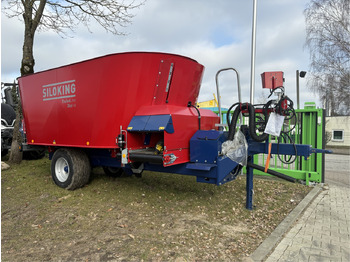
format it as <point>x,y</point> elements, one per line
<point>252,70</point>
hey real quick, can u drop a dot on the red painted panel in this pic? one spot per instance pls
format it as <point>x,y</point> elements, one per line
<point>84,104</point>
<point>185,125</point>
<point>185,121</point>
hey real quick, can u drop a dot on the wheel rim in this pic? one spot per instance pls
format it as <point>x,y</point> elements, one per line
<point>62,169</point>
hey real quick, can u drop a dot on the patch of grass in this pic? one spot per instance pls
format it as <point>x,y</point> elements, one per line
<point>158,217</point>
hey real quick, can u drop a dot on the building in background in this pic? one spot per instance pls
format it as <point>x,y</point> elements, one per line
<point>338,134</point>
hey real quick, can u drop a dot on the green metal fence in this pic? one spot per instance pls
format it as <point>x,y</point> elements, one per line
<point>309,129</point>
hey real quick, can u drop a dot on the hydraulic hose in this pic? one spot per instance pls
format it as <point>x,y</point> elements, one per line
<point>189,104</point>
<point>252,123</point>
<point>232,125</point>
<point>228,113</point>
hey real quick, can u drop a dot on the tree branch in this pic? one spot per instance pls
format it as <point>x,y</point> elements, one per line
<point>328,39</point>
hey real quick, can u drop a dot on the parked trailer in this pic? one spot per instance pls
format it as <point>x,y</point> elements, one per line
<point>141,97</point>
<point>129,112</point>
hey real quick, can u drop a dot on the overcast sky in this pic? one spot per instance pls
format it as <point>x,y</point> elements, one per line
<point>215,33</point>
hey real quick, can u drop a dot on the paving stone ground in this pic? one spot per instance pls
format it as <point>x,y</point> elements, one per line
<point>322,233</point>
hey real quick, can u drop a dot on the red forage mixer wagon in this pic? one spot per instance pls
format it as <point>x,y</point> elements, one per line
<point>142,98</point>
<point>136,111</point>
<point>85,104</point>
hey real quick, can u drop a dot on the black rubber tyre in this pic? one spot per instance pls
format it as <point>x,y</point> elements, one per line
<point>34,155</point>
<point>113,171</point>
<point>70,168</point>
<point>7,113</point>
<point>4,152</point>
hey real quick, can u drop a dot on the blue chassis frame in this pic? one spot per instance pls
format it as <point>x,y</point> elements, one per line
<point>206,162</point>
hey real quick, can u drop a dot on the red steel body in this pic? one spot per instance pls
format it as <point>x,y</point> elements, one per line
<point>85,104</point>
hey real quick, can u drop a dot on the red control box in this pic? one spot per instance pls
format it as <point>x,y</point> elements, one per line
<point>272,80</point>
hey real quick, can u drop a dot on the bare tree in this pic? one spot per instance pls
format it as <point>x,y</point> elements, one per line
<point>62,16</point>
<point>328,39</point>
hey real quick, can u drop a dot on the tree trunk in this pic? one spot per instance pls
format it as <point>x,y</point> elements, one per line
<point>16,153</point>
<point>27,67</point>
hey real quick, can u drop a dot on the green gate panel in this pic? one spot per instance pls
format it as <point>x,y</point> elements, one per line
<point>309,130</point>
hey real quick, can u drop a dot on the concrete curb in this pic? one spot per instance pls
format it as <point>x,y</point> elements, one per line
<point>269,244</point>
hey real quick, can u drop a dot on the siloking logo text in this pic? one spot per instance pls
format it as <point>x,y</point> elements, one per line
<point>66,91</point>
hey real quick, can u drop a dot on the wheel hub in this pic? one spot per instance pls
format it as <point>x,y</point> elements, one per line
<point>62,169</point>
